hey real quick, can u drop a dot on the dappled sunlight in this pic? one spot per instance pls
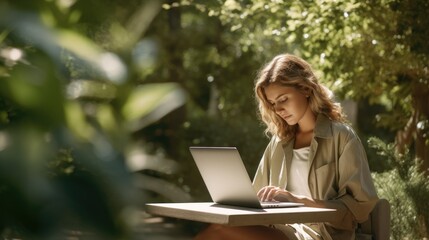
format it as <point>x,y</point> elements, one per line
<point>89,89</point>
<point>4,140</point>
<point>139,160</point>
<point>148,103</point>
<point>11,55</point>
<point>113,67</point>
<point>110,66</point>
<point>145,54</point>
<point>75,118</point>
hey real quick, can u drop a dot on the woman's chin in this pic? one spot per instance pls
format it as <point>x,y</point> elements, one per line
<point>290,121</point>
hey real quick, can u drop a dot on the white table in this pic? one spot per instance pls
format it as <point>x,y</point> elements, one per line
<point>238,216</point>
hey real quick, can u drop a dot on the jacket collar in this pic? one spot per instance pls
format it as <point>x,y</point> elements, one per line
<point>323,128</point>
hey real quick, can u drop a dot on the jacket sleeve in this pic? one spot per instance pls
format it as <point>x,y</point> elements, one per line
<point>356,188</point>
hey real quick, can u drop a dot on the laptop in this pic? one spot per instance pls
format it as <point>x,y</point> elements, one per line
<point>227,180</point>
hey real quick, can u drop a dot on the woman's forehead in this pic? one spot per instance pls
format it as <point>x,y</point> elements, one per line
<point>274,91</point>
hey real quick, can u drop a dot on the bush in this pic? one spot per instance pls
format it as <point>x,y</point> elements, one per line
<point>407,190</point>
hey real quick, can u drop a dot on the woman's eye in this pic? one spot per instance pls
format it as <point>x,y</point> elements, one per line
<point>283,100</point>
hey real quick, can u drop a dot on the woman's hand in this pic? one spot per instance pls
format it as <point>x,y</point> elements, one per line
<point>271,193</point>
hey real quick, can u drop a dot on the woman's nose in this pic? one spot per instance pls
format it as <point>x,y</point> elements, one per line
<point>278,108</point>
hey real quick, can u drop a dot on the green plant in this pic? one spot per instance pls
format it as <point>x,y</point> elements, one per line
<point>68,110</point>
<point>406,188</point>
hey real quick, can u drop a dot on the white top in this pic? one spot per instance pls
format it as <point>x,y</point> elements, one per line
<point>298,172</point>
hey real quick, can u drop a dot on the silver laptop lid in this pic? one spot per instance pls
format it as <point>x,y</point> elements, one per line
<point>225,176</point>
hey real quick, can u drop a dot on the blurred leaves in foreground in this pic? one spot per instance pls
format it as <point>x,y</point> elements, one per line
<point>68,108</point>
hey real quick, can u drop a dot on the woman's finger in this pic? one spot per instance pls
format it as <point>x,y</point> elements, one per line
<point>263,193</point>
<point>271,194</point>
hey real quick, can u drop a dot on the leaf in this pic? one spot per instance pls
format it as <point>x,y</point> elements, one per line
<point>29,28</point>
<point>150,102</point>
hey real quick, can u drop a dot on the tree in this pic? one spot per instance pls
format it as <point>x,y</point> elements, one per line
<point>218,77</point>
<point>363,50</point>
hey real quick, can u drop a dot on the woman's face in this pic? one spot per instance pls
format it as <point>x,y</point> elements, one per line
<point>290,104</point>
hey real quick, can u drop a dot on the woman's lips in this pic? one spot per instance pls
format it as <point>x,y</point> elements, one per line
<point>286,117</point>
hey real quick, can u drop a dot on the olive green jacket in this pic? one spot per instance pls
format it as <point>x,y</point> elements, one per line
<point>339,173</point>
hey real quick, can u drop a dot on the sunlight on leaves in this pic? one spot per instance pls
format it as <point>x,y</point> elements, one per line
<point>89,89</point>
<point>106,118</point>
<point>108,63</point>
<point>150,102</point>
<point>76,121</point>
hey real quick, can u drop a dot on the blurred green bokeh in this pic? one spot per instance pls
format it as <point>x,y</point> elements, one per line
<point>68,111</point>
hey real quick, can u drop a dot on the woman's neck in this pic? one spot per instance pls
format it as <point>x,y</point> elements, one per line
<point>304,132</point>
<point>307,123</point>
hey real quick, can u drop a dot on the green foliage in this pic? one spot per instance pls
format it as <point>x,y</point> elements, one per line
<point>75,96</point>
<point>403,212</point>
<point>356,45</point>
<point>68,108</point>
<point>207,60</point>
<point>405,188</point>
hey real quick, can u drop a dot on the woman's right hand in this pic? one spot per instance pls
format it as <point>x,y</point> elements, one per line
<point>275,194</point>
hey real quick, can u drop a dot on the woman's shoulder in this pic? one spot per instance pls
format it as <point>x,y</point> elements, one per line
<point>326,127</point>
<point>343,130</point>
<point>341,126</point>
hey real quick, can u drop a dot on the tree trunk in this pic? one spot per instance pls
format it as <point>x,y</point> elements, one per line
<point>417,129</point>
<point>421,104</point>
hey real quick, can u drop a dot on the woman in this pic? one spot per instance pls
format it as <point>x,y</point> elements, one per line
<point>313,157</point>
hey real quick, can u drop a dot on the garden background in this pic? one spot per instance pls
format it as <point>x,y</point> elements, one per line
<point>100,100</point>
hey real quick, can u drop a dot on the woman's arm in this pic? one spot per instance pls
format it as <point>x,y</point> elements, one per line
<point>272,193</point>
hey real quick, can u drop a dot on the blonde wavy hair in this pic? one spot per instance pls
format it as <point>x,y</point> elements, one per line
<point>292,71</point>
